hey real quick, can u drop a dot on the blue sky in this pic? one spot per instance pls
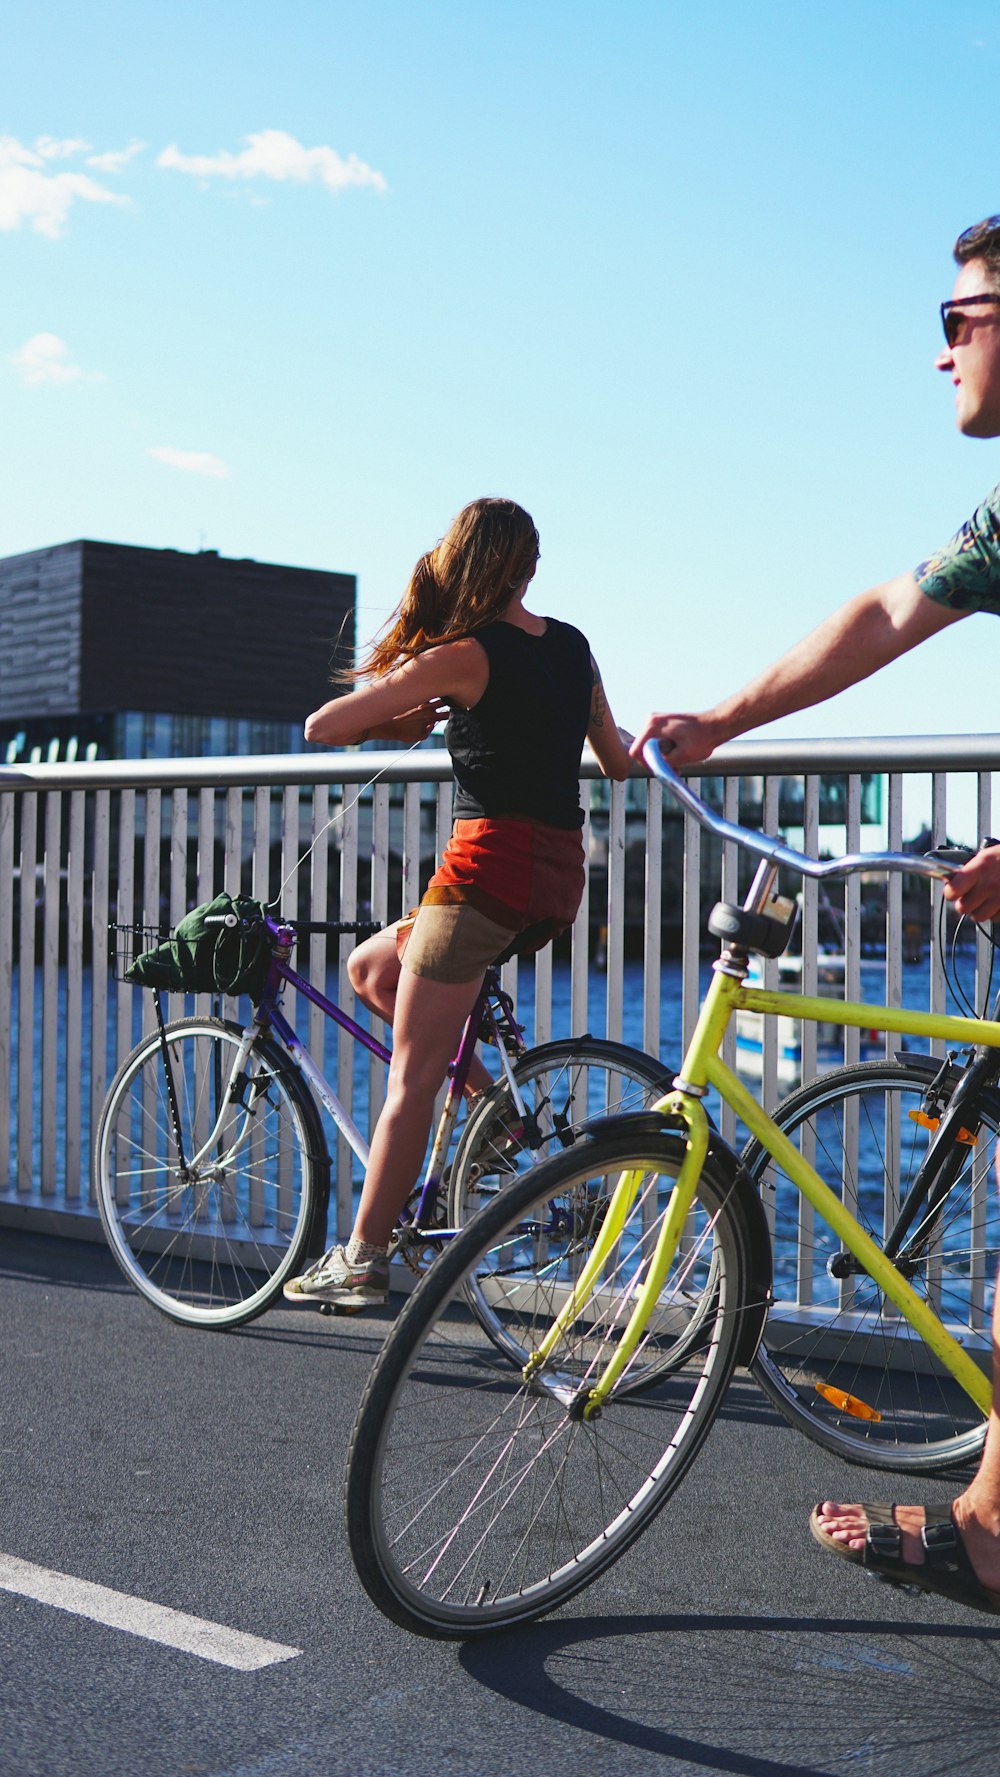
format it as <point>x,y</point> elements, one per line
<point>666,273</point>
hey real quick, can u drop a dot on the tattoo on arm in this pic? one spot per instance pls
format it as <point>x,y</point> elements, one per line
<point>598,703</point>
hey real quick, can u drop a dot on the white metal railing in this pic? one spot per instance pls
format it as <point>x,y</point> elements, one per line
<point>86,844</point>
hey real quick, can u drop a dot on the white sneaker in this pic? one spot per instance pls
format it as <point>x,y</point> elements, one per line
<point>332,1279</point>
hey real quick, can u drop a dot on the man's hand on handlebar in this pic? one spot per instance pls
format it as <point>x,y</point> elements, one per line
<point>975,889</point>
<point>684,738</point>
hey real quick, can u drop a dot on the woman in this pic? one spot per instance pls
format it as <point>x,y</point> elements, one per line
<point>524,693</point>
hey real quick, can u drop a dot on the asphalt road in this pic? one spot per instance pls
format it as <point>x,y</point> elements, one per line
<point>203,1472</point>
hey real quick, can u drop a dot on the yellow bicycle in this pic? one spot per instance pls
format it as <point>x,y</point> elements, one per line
<point>482,1491</point>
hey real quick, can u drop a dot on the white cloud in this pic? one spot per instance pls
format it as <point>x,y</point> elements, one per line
<point>59,148</point>
<point>193,462</point>
<point>116,158</point>
<point>274,154</point>
<point>35,191</point>
<point>30,193</point>
<point>44,358</point>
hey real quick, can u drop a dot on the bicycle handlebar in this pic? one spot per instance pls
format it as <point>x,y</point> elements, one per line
<point>775,851</point>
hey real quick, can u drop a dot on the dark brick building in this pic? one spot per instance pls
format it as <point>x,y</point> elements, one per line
<point>110,651</point>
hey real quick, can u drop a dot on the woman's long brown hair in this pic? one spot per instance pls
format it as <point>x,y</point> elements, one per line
<point>462,584</point>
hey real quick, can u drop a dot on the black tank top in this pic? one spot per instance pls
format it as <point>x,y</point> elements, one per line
<point>518,751</point>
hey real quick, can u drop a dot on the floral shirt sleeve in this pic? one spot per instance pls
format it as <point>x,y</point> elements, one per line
<point>965,574</point>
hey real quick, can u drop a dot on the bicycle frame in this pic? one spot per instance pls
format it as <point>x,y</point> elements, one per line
<point>269,1017</point>
<point>703,1068</point>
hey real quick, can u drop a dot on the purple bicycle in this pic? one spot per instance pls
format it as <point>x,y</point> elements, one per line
<point>211,1167</point>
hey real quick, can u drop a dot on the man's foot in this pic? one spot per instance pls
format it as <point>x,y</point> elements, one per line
<point>943,1549</point>
<point>333,1279</point>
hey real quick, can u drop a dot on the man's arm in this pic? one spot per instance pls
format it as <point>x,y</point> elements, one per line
<point>863,635</point>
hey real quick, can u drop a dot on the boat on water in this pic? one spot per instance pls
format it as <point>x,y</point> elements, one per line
<point>830,975</point>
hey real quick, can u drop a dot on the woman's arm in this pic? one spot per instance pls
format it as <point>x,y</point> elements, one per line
<point>610,744</point>
<point>457,671</point>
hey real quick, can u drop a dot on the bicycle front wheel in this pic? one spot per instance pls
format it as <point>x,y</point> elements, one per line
<point>209,1196</point>
<point>477,1498</point>
<point>837,1358</point>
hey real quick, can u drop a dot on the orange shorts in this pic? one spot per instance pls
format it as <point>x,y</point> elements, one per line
<point>503,885</point>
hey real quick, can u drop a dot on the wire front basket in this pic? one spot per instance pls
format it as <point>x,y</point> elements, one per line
<point>126,942</point>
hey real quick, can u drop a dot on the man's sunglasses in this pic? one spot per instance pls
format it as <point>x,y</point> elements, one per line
<point>953,315</point>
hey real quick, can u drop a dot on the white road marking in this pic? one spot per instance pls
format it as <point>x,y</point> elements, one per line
<point>136,1616</point>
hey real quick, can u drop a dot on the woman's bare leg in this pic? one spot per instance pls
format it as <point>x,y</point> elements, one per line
<point>373,970</point>
<point>427,1025</point>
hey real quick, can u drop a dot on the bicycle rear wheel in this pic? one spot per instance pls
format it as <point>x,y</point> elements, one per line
<point>477,1499</point>
<point>209,1240</point>
<point>565,1086</point>
<point>836,1357</point>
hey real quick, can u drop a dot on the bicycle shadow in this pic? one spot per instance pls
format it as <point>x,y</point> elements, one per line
<point>761,1696</point>
<point>327,1335</point>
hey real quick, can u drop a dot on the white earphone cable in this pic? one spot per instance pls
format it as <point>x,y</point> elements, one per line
<point>334,818</point>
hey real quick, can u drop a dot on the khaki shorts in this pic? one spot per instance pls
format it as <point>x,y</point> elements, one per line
<point>452,943</point>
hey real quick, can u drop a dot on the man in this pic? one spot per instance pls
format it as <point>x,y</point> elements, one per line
<point>959,1553</point>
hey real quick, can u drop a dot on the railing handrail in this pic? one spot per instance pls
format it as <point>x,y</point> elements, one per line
<point>899,753</point>
<point>426,765</point>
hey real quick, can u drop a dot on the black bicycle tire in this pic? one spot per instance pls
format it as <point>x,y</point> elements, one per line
<point>311,1222</point>
<point>408,1345</point>
<point>847,1436</point>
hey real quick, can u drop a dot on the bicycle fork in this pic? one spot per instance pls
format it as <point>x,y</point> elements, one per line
<point>224,1098</point>
<point>685,1104</point>
<point>187,1168</point>
<point>587,1402</point>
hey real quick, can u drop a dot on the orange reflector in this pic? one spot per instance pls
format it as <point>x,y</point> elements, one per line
<point>924,1120</point>
<point>847,1403</point>
<point>968,1136</point>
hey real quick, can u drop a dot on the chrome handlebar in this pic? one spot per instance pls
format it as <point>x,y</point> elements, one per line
<point>774,850</point>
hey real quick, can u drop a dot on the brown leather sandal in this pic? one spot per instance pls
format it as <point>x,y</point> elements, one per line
<point>945,1569</point>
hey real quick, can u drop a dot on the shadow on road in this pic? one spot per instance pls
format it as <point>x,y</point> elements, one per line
<point>49,1259</point>
<point>763,1696</point>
